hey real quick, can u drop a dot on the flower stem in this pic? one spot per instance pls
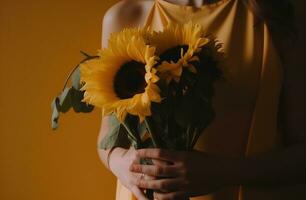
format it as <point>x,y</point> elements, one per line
<point>196,134</point>
<point>155,140</point>
<point>135,137</point>
<point>189,138</point>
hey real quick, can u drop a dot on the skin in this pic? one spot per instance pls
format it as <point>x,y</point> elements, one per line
<point>178,174</point>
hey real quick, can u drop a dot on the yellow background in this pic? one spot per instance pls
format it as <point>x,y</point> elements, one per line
<point>39,45</point>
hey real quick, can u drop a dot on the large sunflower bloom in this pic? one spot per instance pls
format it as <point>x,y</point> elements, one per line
<point>177,45</point>
<point>122,80</point>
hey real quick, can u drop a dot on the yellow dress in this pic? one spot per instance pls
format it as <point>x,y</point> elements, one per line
<point>246,104</point>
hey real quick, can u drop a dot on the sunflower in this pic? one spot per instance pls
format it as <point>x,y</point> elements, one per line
<point>177,45</point>
<point>122,80</point>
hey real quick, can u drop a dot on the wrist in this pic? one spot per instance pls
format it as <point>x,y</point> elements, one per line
<point>110,151</point>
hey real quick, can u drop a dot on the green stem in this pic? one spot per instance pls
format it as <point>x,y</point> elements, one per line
<point>154,137</point>
<point>192,132</point>
<point>132,135</point>
<point>188,138</point>
<point>196,134</point>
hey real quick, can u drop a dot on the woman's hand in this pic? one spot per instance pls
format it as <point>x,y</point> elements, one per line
<point>183,174</point>
<point>120,162</point>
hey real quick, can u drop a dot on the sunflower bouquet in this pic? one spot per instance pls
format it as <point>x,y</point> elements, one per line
<point>156,87</point>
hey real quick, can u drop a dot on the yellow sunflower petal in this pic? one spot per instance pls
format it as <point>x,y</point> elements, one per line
<point>99,75</point>
<point>175,35</point>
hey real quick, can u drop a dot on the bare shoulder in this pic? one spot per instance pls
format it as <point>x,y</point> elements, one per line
<point>125,13</point>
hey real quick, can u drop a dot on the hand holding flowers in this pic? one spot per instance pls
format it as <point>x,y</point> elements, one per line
<point>184,174</point>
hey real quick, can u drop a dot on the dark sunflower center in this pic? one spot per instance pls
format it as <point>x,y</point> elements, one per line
<point>173,54</point>
<point>130,80</point>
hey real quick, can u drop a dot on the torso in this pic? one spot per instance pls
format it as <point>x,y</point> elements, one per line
<point>246,105</point>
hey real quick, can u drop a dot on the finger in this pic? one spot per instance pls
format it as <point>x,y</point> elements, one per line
<point>148,177</point>
<point>163,185</point>
<point>144,176</point>
<point>153,161</point>
<point>161,154</point>
<point>161,162</point>
<point>158,171</point>
<point>181,195</point>
<point>138,193</point>
<point>138,177</point>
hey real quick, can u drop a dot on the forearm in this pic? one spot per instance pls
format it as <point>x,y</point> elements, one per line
<point>278,168</point>
<point>107,155</point>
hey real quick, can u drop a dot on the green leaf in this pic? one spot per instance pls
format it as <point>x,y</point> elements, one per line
<point>75,79</point>
<point>117,135</point>
<point>77,104</point>
<point>131,123</point>
<point>65,100</point>
<point>55,113</point>
<point>70,97</point>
